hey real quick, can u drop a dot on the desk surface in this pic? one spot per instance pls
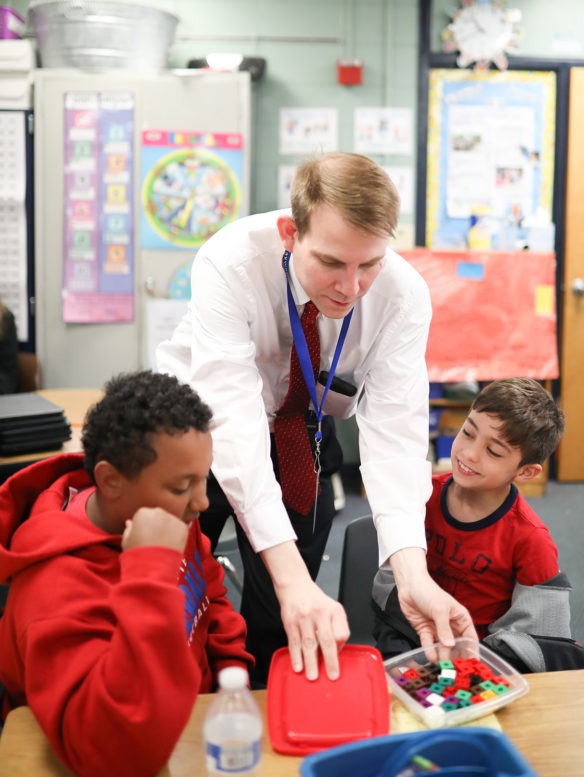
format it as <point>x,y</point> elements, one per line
<point>546,725</point>
<point>75,403</point>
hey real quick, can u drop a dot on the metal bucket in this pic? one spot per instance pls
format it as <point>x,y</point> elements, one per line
<point>102,34</point>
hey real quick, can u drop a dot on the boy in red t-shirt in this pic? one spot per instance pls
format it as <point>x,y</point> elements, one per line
<point>116,617</point>
<point>486,546</point>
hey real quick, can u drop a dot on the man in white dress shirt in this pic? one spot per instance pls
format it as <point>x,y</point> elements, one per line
<point>234,347</point>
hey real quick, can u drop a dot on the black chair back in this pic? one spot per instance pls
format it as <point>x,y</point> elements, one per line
<point>359,564</point>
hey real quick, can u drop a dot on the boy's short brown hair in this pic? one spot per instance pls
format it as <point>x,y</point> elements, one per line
<point>358,188</point>
<point>530,418</point>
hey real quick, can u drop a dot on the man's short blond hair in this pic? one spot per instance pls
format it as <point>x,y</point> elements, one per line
<point>358,188</point>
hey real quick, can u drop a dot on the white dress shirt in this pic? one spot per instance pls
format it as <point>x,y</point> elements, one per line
<point>233,346</point>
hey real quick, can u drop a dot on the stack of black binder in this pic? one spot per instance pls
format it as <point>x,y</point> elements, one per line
<point>30,423</point>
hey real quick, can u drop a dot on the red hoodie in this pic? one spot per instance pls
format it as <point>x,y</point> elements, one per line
<point>104,646</point>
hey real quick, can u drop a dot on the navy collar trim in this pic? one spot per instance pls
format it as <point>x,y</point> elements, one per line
<point>484,523</point>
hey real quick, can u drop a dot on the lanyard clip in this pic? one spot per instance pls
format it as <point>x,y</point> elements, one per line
<point>317,443</point>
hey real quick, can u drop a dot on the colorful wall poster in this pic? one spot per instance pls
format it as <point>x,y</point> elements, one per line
<point>190,186</point>
<point>285,178</point>
<point>383,131</point>
<point>491,141</point>
<point>98,283</point>
<point>13,220</point>
<point>403,178</point>
<point>308,130</point>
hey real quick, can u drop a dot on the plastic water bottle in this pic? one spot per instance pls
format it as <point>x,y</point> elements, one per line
<point>233,727</point>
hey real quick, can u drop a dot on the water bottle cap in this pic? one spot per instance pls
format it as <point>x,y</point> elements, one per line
<point>232,678</point>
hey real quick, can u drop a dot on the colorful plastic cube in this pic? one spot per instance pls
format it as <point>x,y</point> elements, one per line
<point>422,693</point>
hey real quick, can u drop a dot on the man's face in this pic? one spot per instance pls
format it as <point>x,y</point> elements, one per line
<point>176,481</point>
<point>335,264</point>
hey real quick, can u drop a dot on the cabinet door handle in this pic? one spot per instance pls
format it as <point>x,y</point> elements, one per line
<point>578,287</point>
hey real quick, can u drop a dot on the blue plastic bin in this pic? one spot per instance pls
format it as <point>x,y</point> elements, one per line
<point>468,751</point>
<point>443,446</point>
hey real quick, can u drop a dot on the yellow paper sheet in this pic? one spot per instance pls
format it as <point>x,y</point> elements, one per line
<point>544,300</point>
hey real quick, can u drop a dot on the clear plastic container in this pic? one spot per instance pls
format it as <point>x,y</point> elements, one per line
<point>233,727</point>
<point>507,683</point>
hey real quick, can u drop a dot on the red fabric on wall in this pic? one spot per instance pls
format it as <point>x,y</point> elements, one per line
<point>494,313</point>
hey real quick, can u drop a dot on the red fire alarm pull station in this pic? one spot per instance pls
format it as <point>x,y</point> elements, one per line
<point>349,71</point>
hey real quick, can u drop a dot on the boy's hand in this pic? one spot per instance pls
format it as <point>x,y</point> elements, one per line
<point>154,526</point>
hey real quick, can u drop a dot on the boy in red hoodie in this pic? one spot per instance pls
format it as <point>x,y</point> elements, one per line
<point>116,616</point>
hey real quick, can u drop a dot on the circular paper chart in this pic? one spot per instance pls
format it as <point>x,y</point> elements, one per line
<point>189,195</point>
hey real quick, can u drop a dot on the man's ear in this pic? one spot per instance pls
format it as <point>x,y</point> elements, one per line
<point>528,472</point>
<point>287,230</point>
<point>108,479</point>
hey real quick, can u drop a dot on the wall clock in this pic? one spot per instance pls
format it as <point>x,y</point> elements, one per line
<point>482,31</point>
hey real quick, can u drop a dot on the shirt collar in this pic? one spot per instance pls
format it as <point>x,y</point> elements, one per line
<point>300,296</point>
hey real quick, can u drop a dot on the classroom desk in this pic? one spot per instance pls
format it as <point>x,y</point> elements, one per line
<point>75,403</point>
<point>546,725</point>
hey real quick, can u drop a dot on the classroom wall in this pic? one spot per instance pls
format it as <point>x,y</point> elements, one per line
<point>301,41</point>
<point>550,30</point>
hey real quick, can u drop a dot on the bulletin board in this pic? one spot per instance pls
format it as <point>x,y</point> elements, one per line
<point>491,139</point>
<point>493,314</point>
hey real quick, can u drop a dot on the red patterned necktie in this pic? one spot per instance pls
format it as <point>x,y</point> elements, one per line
<point>295,459</point>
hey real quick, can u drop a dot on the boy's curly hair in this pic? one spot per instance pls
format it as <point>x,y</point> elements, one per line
<point>135,406</point>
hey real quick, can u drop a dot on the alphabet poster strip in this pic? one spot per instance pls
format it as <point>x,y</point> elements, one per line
<point>98,285</point>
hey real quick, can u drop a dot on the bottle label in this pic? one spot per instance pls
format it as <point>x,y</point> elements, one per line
<point>235,759</point>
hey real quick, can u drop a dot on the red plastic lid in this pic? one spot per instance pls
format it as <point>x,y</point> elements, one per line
<point>307,716</point>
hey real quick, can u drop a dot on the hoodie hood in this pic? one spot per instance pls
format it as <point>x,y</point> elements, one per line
<point>33,526</point>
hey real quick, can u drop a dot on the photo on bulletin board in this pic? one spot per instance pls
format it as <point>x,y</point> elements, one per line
<point>491,140</point>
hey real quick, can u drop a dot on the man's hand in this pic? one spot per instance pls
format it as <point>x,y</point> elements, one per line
<point>435,615</point>
<point>155,526</point>
<point>312,619</point>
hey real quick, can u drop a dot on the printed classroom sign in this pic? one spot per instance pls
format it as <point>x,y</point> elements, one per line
<point>98,283</point>
<point>191,186</point>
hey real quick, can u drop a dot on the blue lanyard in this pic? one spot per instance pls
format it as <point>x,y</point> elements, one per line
<point>302,349</point>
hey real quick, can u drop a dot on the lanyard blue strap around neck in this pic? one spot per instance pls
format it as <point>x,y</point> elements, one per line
<point>302,349</point>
